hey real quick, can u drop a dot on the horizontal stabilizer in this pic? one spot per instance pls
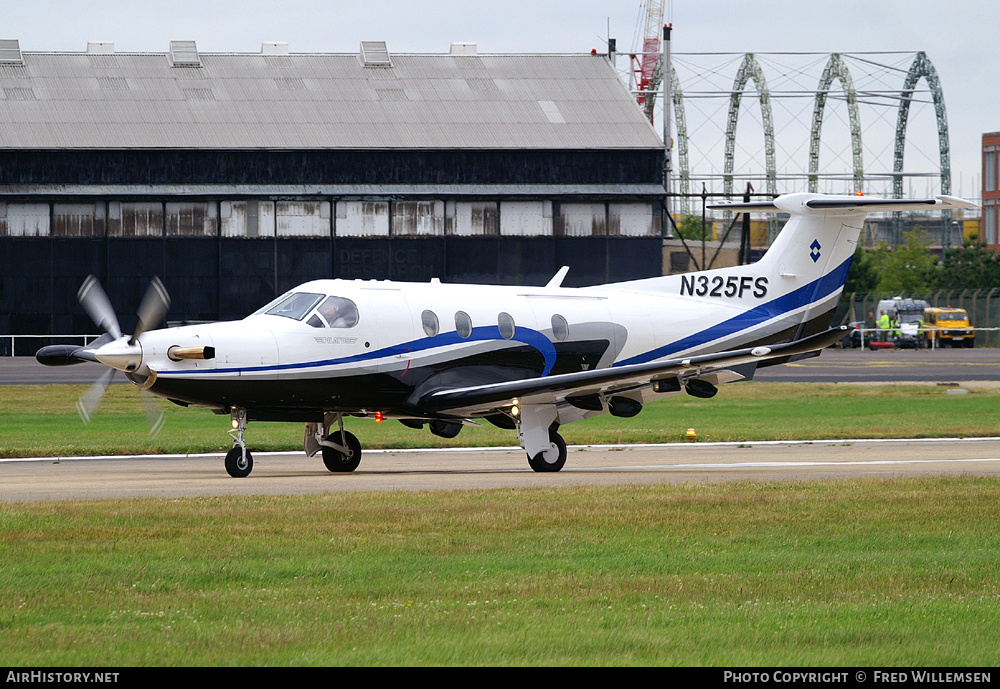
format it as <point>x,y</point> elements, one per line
<point>806,204</point>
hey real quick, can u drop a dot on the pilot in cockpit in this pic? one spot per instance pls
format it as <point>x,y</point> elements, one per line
<point>339,312</point>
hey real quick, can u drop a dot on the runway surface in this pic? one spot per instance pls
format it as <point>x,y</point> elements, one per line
<point>293,473</point>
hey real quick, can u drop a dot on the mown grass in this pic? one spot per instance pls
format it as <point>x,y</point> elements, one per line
<point>862,572</point>
<point>42,420</point>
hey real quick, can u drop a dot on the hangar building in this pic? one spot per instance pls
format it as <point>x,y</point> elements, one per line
<point>235,176</point>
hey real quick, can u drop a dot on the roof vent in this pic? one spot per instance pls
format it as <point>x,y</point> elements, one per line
<point>274,48</point>
<point>101,47</point>
<point>184,54</point>
<point>464,48</point>
<point>10,52</point>
<point>375,54</point>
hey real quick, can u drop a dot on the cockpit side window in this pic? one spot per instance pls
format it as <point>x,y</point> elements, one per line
<point>294,305</point>
<point>339,312</point>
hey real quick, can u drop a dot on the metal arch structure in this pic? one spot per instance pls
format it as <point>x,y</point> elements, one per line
<point>836,69</point>
<point>921,67</point>
<point>750,69</point>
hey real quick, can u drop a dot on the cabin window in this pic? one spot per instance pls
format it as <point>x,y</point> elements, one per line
<point>294,305</point>
<point>463,324</point>
<point>429,320</point>
<point>560,328</point>
<point>506,324</point>
<point>339,312</point>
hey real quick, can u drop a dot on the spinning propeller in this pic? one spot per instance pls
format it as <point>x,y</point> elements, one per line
<point>120,352</point>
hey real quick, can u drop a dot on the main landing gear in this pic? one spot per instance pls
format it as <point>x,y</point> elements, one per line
<point>551,459</point>
<point>537,430</point>
<point>341,450</point>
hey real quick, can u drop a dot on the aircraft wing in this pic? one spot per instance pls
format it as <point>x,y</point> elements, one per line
<point>620,378</point>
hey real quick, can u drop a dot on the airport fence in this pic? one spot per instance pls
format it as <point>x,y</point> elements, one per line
<point>982,305</point>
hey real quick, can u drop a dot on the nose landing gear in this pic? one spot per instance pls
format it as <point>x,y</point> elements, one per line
<point>239,461</point>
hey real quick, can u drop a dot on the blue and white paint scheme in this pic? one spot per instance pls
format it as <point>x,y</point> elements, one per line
<point>524,358</point>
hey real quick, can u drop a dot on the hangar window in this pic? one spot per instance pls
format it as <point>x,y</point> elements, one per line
<point>429,320</point>
<point>339,312</point>
<point>506,324</point>
<point>294,305</point>
<point>560,327</point>
<point>463,324</point>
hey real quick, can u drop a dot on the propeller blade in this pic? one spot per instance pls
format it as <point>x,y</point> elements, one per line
<point>152,309</point>
<point>97,305</point>
<point>90,400</point>
<point>154,414</point>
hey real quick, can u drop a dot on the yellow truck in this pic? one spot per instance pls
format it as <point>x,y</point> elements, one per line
<point>947,325</point>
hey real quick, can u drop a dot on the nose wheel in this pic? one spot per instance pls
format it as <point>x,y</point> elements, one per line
<point>239,461</point>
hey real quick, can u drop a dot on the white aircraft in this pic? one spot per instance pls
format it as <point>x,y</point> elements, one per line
<point>524,358</point>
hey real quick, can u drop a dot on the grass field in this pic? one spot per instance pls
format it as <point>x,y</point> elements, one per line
<point>862,572</point>
<point>42,420</point>
<point>866,572</point>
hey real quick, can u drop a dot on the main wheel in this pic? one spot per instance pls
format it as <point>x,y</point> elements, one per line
<point>551,459</point>
<point>237,465</point>
<point>335,460</point>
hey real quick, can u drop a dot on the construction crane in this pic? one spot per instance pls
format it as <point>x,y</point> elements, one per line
<point>647,72</point>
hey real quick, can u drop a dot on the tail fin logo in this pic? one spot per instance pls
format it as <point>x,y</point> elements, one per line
<point>814,254</point>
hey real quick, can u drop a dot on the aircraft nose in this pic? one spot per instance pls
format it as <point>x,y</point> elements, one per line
<point>121,354</point>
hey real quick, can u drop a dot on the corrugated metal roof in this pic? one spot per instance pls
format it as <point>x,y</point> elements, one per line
<point>250,101</point>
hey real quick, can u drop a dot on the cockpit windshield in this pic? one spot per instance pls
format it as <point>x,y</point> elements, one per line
<point>294,305</point>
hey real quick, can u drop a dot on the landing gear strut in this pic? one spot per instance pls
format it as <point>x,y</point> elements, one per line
<point>239,461</point>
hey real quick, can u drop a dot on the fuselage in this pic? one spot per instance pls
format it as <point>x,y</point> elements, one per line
<point>401,340</point>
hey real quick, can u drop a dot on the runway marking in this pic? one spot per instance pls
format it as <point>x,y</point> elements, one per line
<point>745,465</point>
<point>571,448</point>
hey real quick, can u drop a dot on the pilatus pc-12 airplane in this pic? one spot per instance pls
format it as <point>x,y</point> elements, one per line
<point>529,359</point>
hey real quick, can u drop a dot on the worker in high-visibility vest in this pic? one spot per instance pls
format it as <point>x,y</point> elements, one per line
<point>883,327</point>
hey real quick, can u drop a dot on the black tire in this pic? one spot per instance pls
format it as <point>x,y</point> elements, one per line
<point>235,464</point>
<point>970,343</point>
<point>552,459</point>
<point>337,461</point>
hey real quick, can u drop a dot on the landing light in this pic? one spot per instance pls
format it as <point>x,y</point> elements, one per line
<point>236,424</point>
<point>515,410</point>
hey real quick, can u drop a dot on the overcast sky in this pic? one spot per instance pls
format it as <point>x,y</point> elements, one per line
<point>959,36</point>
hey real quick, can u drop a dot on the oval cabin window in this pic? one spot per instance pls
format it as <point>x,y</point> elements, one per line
<point>430,322</point>
<point>506,323</point>
<point>463,324</point>
<point>560,327</point>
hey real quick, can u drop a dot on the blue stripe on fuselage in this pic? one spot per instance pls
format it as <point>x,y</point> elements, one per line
<point>807,294</point>
<point>527,336</point>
